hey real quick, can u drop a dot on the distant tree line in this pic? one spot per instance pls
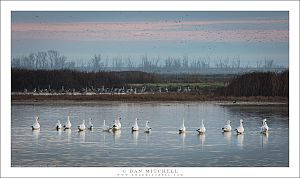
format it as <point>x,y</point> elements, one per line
<point>52,59</point>
<point>70,79</point>
<point>248,84</point>
<point>260,84</point>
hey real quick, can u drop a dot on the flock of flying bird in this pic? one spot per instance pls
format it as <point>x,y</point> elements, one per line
<point>117,126</point>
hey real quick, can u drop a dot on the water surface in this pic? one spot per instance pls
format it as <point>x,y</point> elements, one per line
<point>162,147</point>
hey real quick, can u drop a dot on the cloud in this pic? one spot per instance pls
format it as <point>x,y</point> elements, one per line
<point>144,31</point>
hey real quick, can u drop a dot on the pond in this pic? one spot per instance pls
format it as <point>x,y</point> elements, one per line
<point>162,147</point>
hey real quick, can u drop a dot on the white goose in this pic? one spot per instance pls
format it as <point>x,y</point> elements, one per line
<point>117,125</point>
<point>264,128</point>
<point>90,124</point>
<point>147,128</point>
<point>58,125</point>
<point>68,124</point>
<point>182,128</point>
<point>202,129</point>
<point>81,127</point>
<point>240,129</point>
<point>227,127</point>
<point>135,127</point>
<point>36,124</point>
<point>105,127</point>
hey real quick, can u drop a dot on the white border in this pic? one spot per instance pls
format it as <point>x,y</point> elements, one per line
<point>8,6</point>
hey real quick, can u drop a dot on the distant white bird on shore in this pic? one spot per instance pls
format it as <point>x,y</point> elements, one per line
<point>240,129</point>
<point>227,127</point>
<point>105,127</point>
<point>135,127</point>
<point>68,124</point>
<point>81,127</point>
<point>264,128</point>
<point>58,125</point>
<point>36,124</point>
<point>202,128</point>
<point>182,128</point>
<point>147,128</point>
<point>90,124</point>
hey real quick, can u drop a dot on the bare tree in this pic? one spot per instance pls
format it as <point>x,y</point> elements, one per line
<point>96,62</point>
<point>268,63</point>
<point>16,62</point>
<point>41,60</point>
<point>185,62</point>
<point>129,63</point>
<point>60,62</point>
<point>52,55</point>
<point>28,61</point>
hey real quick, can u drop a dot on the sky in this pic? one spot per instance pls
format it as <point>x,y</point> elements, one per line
<point>79,35</point>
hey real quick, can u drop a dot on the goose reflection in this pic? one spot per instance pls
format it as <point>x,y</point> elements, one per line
<point>240,140</point>
<point>202,139</point>
<point>227,136</point>
<point>264,139</point>
<point>183,135</point>
<point>35,135</point>
<point>147,136</point>
<point>81,136</point>
<point>117,135</point>
<point>59,134</point>
<point>68,132</point>
<point>135,136</point>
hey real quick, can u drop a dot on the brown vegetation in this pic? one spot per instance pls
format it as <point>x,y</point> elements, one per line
<point>260,84</point>
<point>70,79</point>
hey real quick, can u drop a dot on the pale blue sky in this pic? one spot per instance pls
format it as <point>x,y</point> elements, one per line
<point>252,35</point>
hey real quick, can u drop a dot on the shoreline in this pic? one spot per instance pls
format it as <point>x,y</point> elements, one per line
<point>149,97</point>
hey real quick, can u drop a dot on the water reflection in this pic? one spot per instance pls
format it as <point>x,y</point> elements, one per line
<point>202,140</point>
<point>264,139</point>
<point>183,135</point>
<point>278,110</point>
<point>227,136</point>
<point>91,133</point>
<point>240,140</point>
<point>59,134</point>
<point>69,136</point>
<point>35,135</point>
<point>135,136</point>
<point>117,135</point>
<point>147,136</point>
<point>104,134</point>
<point>81,136</point>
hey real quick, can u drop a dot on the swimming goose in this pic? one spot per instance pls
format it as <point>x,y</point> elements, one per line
<point>58,125</point>
<point>202,129</point>
<point>135,127</point>
<point>227,127</point>
<point>81,127</point>
<point>182,128</point>
<point>105,127</point>
<point>240,129</point>
<point>36,124</point>
<point>117,125</point>
<point>264,128</point>
<point>68,124</point>
<point>90,124</point>
<point>147,128</point>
